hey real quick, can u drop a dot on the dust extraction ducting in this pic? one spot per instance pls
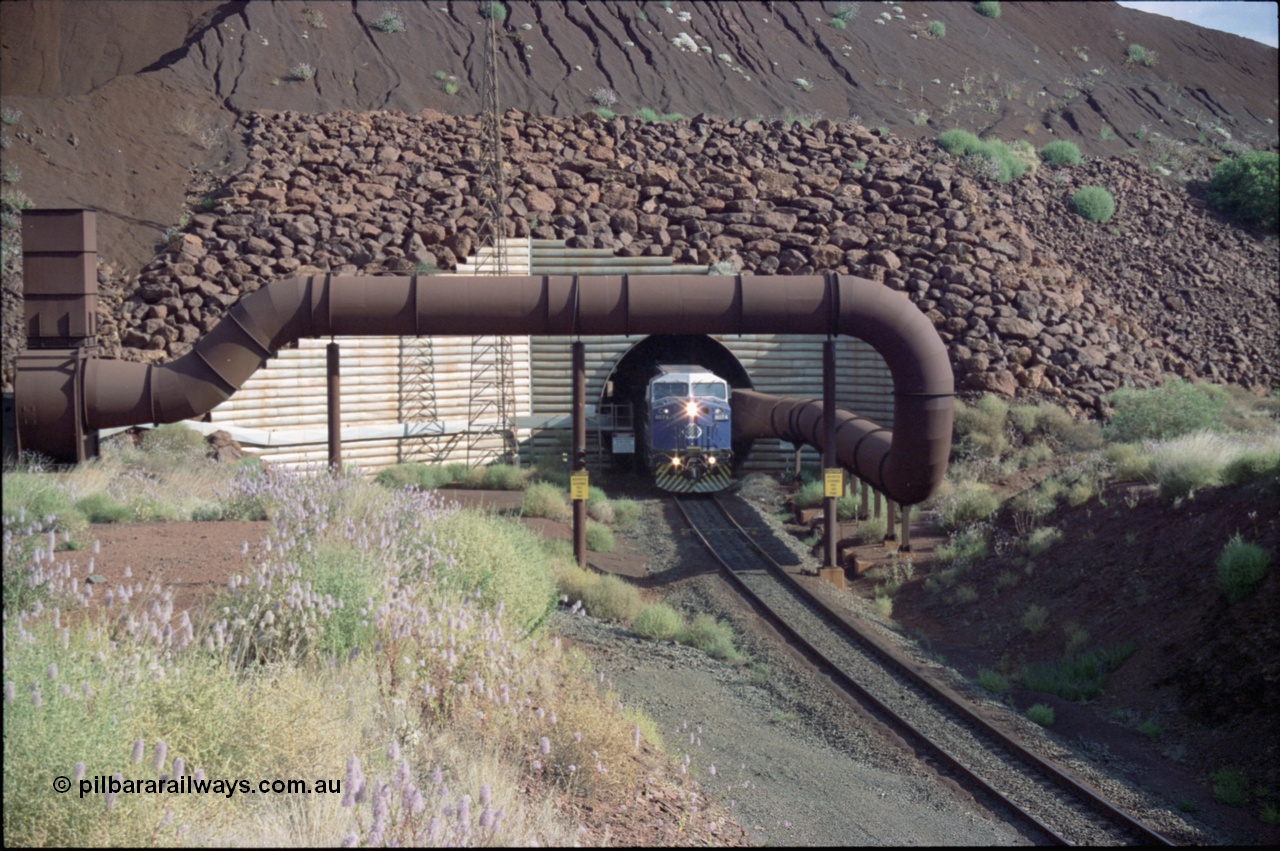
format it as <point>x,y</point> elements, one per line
<point>65,392</point>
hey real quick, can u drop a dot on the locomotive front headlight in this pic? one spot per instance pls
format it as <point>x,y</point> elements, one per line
<point>675,462</point>
<point>691,409</point>
<point>711,460</point>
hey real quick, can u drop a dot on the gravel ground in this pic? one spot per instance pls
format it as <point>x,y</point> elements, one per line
<point>796,762</point>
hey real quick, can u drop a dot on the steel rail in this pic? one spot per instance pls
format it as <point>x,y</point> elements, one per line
<point>952,702</point>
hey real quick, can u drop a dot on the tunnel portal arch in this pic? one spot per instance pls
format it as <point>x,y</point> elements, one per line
<point>629,377</point>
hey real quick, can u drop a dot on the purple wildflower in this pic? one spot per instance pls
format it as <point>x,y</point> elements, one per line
<point>77,774</point>
<point>157,761</point>
<point>138,748</point>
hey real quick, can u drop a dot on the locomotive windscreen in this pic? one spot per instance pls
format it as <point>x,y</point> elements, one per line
<point>662,389</point>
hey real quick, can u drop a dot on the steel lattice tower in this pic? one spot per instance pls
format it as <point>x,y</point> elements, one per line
<point>492,401</point>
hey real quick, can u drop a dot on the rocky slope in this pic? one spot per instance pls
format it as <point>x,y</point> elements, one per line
<point>1031,297</point>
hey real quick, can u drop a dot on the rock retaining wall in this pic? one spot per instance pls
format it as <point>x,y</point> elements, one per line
<point>1032,299</point>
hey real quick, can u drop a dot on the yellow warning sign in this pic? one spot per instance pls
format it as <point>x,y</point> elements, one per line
<point>578,485</point>
<point>833,483</point>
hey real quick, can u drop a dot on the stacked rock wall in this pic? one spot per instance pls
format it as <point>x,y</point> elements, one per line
<point>1032,299</point>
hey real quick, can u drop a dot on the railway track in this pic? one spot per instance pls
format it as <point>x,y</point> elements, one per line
<point>1056,807</point>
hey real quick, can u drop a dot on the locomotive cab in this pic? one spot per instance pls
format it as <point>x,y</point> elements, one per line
<point>688,430</point>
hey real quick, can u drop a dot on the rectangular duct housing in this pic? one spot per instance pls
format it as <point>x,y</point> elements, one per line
<point>60,278</point>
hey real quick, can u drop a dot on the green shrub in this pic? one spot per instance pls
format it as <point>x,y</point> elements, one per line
<point>1094,203</point>
<point>613,598</point>
<point>36,496</point>
<point>505,477</point>
<point>1024,154</point>
<point>423,476</point>
<point>958,142</point>
<point>1241,566</point>
<point>573,582</point>
<point>1170,410</point>
<point>1035,619</point>
<point>101,508</point>
<point>545,500</point>
<point>1077,676</point>
<point>1151,729</point>
<point>1180,476</point>
<point>980,427</point>
<point>847,506</point>
<point>959,505</point>
<point>1230,787</point>
<point>646,114</point>
<point>711,637</point>
<point>990,681</point>
<point>604,112</point>
<point>1041,540</point>
<point>843,12</point>
<point>1060,152</point>
<point>1041,713</point>
<point>1252,465</point>
<point>389,22</point>
<point>659,622</point>
<point>810,495</point>
<point>937,29</point>
<point>1131,462</point>
<point>838,23</point>
<point>502,559</point>
<point>174,439</point>
<point>599,537</point>
<point>495,10</point>
<point>602,511</point>
<point>964,548</point>
<point>339,570</point>
<point>990,8</point>
<point>626,512</point>
<point>872,530</point>
<point>1247,189</point>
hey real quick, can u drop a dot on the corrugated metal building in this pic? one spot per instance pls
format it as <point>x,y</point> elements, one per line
<point>446,399</point>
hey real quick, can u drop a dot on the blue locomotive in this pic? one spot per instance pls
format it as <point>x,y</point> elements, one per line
<point>687,429</point>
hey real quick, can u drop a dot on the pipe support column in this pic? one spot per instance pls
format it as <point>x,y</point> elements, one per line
<point>829,449</point>
<point>579,450</point>
<point>335,409</point>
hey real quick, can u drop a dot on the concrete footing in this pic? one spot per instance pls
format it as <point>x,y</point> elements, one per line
<point>833,575</point>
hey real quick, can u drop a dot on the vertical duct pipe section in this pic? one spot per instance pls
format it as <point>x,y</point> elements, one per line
<point>829,449</point>
<point>335,408</point>
<point>579,449</point>
<point>906,464</point>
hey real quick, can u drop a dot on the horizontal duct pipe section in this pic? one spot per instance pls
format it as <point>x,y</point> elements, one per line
<point>906,465</point>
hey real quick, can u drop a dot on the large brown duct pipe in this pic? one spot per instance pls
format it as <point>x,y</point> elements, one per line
<point>906,464</point>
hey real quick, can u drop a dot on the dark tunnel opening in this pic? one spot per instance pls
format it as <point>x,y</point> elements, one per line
<point>630,376</point>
